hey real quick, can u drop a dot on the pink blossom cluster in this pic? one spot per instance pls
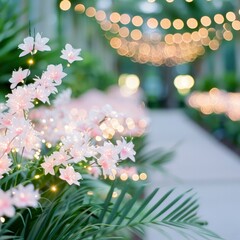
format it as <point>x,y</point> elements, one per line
<point>20,197</point>
<point>55,122</point>
<point>18,135</point>
<point>82,142</point>
<point>76,139</point>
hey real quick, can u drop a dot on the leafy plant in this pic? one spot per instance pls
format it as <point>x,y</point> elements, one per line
<point>75,214</point>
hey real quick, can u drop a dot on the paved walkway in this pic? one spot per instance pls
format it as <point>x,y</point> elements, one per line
<point>202,163</point>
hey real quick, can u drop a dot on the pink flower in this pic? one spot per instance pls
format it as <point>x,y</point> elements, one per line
<point>69,175</point>
<point>71,54</point>
<point>27,46</point>
<point>109,151</point>
<point>6,205</point>
<point>5,120</point>
<point>18,76</point>
<point>48,165</point>
<point>39,92</point>
<point>78,153</point>
<point>25,196</point>
<point>19,100</point>
<point>5,144</point>
<point>108,166</point>
<point>126,150</point>
<point>56,73</point>
<point>46,83</point>
<point>5,163</point>
<point>40,43</point>
<point>60,157</point>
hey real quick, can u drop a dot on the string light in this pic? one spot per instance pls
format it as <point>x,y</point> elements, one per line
<point>216,101</point>
<point>65,5</point>
<point>169,49</point>
<point>30,61</point>
<point>53,188</point>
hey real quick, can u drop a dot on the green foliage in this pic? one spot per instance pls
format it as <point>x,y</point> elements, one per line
<point>98,209</point>
<point>10,30</point>
<point>73,214</point>
<point>228,82</point>
<point>88,74</point>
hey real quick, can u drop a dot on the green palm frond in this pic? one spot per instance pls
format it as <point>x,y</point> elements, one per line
<point>74,214</point>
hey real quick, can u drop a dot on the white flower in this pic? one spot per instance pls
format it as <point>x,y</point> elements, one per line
<point>71,54</point>
<point>25,196</point>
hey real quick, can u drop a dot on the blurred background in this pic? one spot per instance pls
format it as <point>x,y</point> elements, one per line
<point>181,58</point>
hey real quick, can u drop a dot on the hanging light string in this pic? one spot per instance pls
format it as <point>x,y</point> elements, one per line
<point>154,45</point>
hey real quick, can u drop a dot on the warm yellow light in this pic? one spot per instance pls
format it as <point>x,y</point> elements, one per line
<point>80,8</point>
<point>236,25</point>
<point>115,43</point>
<point>178,24</point>
<point>125,18</point>
<point>183,82</point>
<point>135,177</point>
<point>227,35</point>
<point>48,145</point>
<point>218,18</point>
<point>206,21</point>
<point>231,16</point>
<point>177,38</point>
<point>65,5</point>
<point>115,28</point>
<point>98,138</point>
<point>106,25</point>
<point>152,23</point>
<point>37,176</point>
<point>90,193</point>
<point>115,17</point>
<point>192,23</point>
<point>2,219</point>
<point>100,15</point>
<point>115,195</point>
<point>122,79</point>
<point>143,176</point>
<point>186,37</point>
<point>137,21</point>
<point>30,61</point>
<point>132,82</point>
<point>90,12</point>
<point>123,176</point>
<point>123,32</point>
<point>203,32</point>
<point>165,23</point>
<point>214,44</point>
<point>136,34</point>
<point>53,188</point>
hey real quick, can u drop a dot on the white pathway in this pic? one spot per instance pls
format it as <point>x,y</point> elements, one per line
<point>202,163</point>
